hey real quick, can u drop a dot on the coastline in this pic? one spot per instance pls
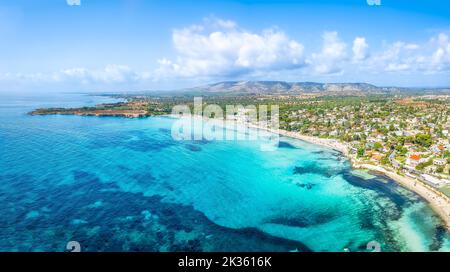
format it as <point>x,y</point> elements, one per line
<point>437,201</point>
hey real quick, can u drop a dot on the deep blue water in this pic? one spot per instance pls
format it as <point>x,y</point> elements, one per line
<point>116,184</point>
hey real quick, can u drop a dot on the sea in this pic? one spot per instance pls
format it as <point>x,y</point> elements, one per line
<point>120,184</point>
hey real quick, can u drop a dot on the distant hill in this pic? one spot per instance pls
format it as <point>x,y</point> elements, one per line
<point>289,88</point>
<point>281,87</point>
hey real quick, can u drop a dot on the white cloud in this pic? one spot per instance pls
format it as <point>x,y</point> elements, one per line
<point>427,58</point>
<point>221,48</point>
<point>440,59</point>
<point>330,59</point>
<point>219,23</point>
<point>399,56</point>
<point>110,74</point>
<point>359,49</point>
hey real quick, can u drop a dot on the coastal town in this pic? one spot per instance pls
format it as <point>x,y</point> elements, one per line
<point>410,135</point>
<point>404,138</point>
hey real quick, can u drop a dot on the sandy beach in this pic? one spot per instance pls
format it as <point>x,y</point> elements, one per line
<point>438,201</point>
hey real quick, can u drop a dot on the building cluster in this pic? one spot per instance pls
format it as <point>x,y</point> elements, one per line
<point>405,133</point>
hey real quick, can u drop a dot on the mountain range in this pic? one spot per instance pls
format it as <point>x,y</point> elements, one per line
<point>282,87</point>
<point>232,88</point>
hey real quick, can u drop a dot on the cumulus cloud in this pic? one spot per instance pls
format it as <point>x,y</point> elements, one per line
<point>331,58</point>
<point>440,59</point>
<point>399,56</point>
<point>428,58</point>
<point>359,49</point>
<point>221,48</point>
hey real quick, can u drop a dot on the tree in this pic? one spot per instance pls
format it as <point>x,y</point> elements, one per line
<point>361,152</point>
<point>385,160</point>
<point>377,145</point>
<point>423,140</point>
<point>401,150</point>
<point>401,140</point>
<point>422,165</point>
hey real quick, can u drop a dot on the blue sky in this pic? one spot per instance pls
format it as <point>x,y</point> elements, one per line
<point>135,44</point>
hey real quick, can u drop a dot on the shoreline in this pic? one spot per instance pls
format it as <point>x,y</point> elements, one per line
<point>439,203</point>
<point>436,200</point>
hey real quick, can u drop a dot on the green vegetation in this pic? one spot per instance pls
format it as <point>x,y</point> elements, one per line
<point>422,165</point>
<point>445,190</point>
<point>423,140</point>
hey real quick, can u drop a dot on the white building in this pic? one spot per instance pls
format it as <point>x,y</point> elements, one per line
<point>415,160</point>
<point>435,182</point>
<point>440,162</point>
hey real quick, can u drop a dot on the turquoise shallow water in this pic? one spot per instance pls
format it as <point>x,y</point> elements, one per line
<point>116,184</point>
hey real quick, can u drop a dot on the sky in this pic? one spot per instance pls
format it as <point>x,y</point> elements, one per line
<point>134,45</point>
